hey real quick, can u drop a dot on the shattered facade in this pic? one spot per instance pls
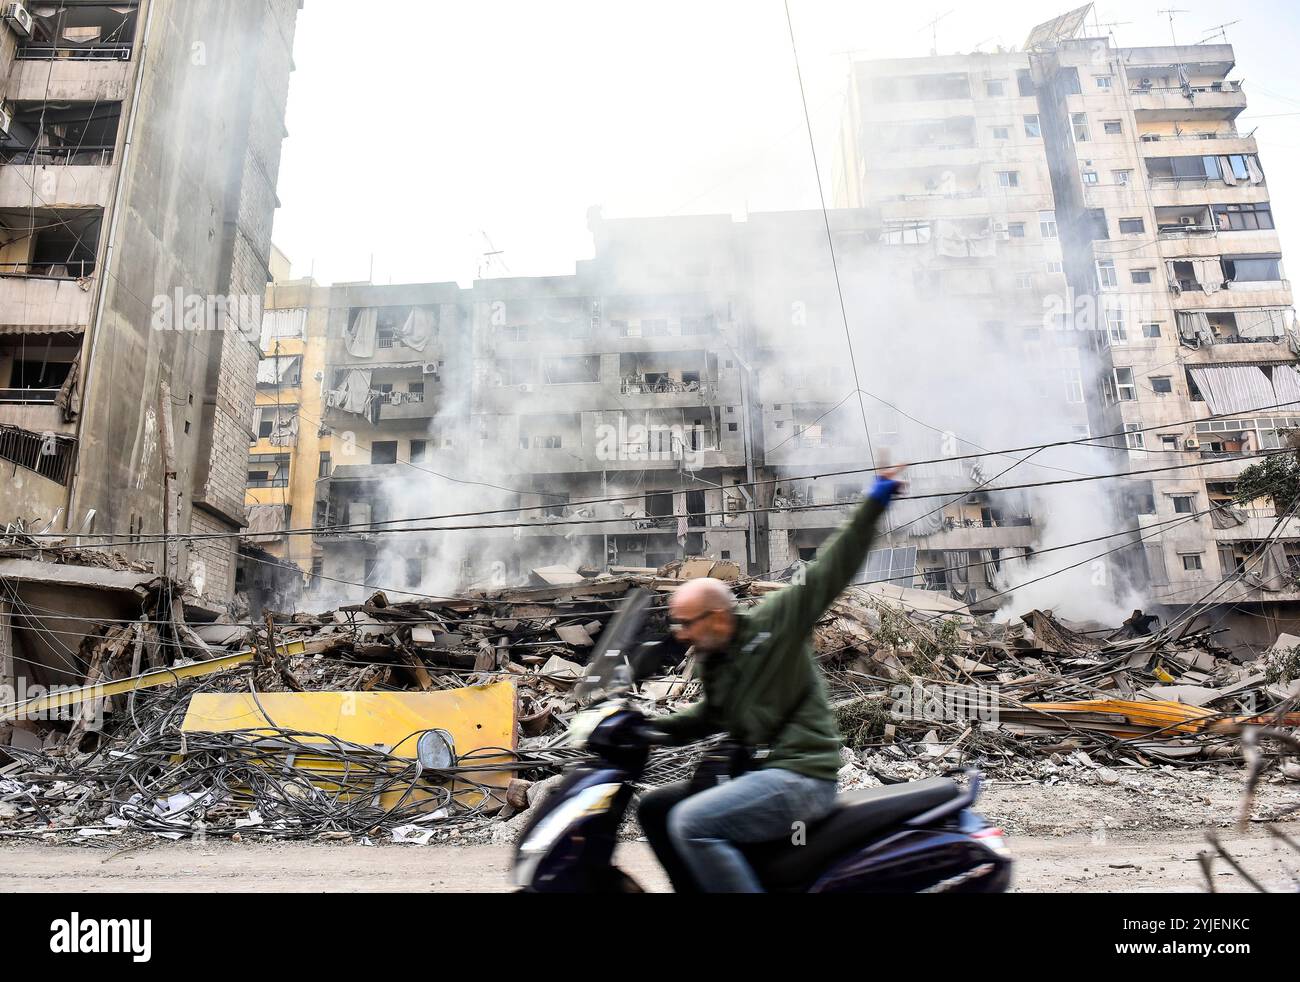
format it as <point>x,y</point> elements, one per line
<point>1116,182</point>
<point>129,340</point>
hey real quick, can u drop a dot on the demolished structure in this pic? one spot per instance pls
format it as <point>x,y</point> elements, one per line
<point>128,338</point>
<point>432,719</point>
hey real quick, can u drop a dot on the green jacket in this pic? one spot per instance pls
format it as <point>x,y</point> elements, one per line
<point>752,687</point>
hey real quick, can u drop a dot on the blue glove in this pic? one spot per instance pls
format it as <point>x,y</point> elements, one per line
<point>884,490</point>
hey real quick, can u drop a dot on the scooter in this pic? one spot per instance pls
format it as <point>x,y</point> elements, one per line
<point>920,837</point>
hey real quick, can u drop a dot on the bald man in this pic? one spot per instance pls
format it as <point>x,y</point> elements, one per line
<point>762,687</point>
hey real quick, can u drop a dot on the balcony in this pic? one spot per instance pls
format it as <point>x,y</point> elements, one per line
<point>58,184</point>
<point>62,81</point>
<point>43,301</point>
<point>1223,100</point>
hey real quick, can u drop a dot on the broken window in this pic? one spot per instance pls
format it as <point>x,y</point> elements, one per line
<point>1131,226</point>
<point>1033,128</point>
<point>80,134</point>
<point>1184,504</point>
<point>1125,387</point>
<point>1079,126</point>
<point>1112,127</point>
<point>1162,384</point>
<point>48,242</point>
<point>1246,217</point>
<point>81,30</point>
<point>419,451</point>
<point>280,370</point>
<point>383,452</point>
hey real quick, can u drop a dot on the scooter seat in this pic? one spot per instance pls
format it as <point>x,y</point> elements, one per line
<point>858,815</point>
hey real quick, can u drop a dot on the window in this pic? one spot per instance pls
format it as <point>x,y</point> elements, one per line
<point>733,427</point>
<point>1183,504</point>
<point>268,471</point>
<point>905,233</point>
<point>419,451</point>
<point>1245,217</point>
<point>1016,230</point>
<point>1192,562</point>
<point>1131,226</point>
<point>1025,81</point>
<point>416,389</point>
<point>571,371</point>
<point>1047,224</point>
<point>1054,266</point>
<point>1106,274</point>
<point>1024,281</point>
<point>697,326</point>
<point>1079,125</point>
<point>1122,177</point>
<point>1073,385</point>
<point>1252,269</point>
<point>383,452</point>
<point>1001,133</point>
<point>1142,275</point>
<point>1168,441</point>
<point>1090,177</point>
<point>1162,384</point>
<point>325,465</point>
<point>995,87</point>
<point>1115,328</point>
<point>1133,436</point>
<point>1151,330</point>
<point>1125,387</point>
<point>1033,128</point>
<point>1112,127</point>
<point>414,572</point>
<point>1008,179</point>
<point>1104,81</point>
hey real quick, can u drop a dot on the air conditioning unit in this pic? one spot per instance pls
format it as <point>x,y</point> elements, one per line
<point>431,368</point>
<point>1186,219</point>
<point>525,389</point>
<point>1192,443</point>
<point>17,17</point>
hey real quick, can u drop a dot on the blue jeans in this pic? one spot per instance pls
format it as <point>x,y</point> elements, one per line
<point>760,806</point>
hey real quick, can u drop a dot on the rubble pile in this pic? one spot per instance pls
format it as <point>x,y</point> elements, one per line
<point>919,689</point>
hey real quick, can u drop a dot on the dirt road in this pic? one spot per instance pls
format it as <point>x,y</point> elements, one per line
<point>1072,863</point>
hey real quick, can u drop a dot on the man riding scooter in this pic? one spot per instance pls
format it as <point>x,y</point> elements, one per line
<point>762,687</point>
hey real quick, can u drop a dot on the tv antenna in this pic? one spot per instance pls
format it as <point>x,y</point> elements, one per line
<point>934,32</point>
<point>1219,30</point>
<point>491,260</point>
<point>1171,12</point>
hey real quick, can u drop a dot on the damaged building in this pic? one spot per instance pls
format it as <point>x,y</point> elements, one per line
<point>128,339</point>
<point>1121,176</point>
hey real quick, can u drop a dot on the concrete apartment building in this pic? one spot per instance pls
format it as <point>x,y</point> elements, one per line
<point>1122,169</point>
<point>694,369</point>
<point>141,148</point>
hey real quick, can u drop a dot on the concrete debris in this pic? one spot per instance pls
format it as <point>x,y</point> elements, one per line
<point>917,692</point>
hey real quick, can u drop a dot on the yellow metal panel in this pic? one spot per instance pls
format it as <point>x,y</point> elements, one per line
<point>477,717</point>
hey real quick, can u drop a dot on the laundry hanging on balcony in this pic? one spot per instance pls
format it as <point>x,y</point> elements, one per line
<point>353,395</point>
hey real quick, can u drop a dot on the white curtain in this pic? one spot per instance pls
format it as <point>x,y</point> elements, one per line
<point>1261,323</point>
<point>1209,273</point>
<point>419,329</point>
<point>359,337</point>
<point>1253,168</point>
<point>1225,167</point>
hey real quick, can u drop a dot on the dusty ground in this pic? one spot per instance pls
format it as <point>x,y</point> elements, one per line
<point>1129,864</point>
<point>1140,834</point>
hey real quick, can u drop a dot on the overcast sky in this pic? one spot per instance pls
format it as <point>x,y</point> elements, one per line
<point>425,133</point>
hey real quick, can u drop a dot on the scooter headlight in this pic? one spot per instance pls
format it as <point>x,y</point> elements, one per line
<point>595,800</point>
